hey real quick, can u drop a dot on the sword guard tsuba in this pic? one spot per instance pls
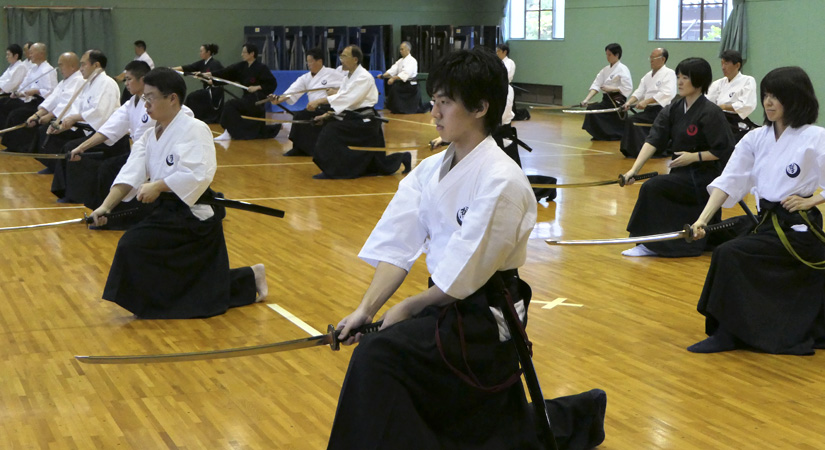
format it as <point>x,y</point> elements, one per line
<point>334,343</point>
<point>622,180</point>
<point>689,236</point>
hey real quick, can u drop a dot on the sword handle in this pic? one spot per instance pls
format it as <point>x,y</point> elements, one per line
<point>641,176</point>
<point>367,328</point>
<point>128,212</point>
<point>724,225</point>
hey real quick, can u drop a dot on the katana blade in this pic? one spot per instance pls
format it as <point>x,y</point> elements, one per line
<point>620,181</point>
<point>686,233</point>
<point>264,119</point>
<point>591,111</point>
<point>642,124</point>
<point>44,225</point>
<point>390,149</point>
<point>556,107</point>
<point>330,339</point>
<point>16,127</point>
<point>37,155</point>
<point>393,119</point>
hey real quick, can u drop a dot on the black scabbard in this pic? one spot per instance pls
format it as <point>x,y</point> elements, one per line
<point>237,204</point>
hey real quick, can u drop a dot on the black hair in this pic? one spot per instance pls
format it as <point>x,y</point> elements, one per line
<point>472,77</point>
<point>504,47</point>
<point>665,54</point>
<point>97,56</point>
<point>140,44</point>
<point>699,72</point>
<point>167,81</point>
<point>251,48</point>
<point>792,87</point>
<point>15,50</point>
<point>615,48</point>
<point>356,52</point>
<point>732,56</point>
<point>211,48</point>
<point>137,68</point>
<point>316,53</point>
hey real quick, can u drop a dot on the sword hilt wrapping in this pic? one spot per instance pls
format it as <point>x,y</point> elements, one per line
<point>128,212</point>
<point>641,176</point>
<point>708,229</point>
<point>367,328</point>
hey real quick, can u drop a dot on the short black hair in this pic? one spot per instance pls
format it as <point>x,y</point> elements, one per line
<point>316,53</point>
<point>792,87</point>
<point>15,50</point>
<point>97,56</point>
<point>211,48</point>
<point>137,68</point>
<point>472,77</point>
<point>167,81</point>
<point>699,72</point>
<point>140,44</point>
<point>665,54</point>
<point>356,52</point>
<point>504,47</point>
<point>732,56</point>
<point>251,48</point>
<point>615,48</point>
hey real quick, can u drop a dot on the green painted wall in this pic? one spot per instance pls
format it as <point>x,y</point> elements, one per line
<point>174,29</point>
<point>782,32</point>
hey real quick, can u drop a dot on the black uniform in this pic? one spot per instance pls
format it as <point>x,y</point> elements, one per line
<point>667,202</point>
<point>635,136</point>
<point>255,74</point>
<point>206,103</point>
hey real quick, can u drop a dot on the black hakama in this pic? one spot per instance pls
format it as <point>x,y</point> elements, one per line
<point>668,202</point>
<point>255,74</point>
<point>336,160</point>
<point>79,181</point>
<point>403,97</point>
<point>15,104</point>
<point>304,136</point>
<point>206,103</point>
<point>739,126</point>
<point>54,143</point>
<point>24,139</point>
<point>399,392</point>
<point>634,136</point>
<point>608,126</point>
<point>172,265</point>
<point>764,297</point>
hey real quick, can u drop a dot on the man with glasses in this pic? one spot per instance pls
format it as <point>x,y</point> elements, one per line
<point>174,263</point>
<point>303,136</point>
<point>403,96</point>
<point>656,90</point>
<point>352,121</point>
<point>97,100</point>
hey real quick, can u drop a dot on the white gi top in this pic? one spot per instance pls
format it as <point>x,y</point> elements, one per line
<point>357,91</point>
<point>60,96</point>
<point>98,100</point>
<point>146,58</point>
<point>13,76</point>
<point>774,169</point>
<point>35,80</point>
<point>472,220</point>
<point>740,93</point>
<point>511,68</point>
<point>508,115</point>
<point>184,158</point>
<point>405,68</point>
<point>131,118</point>
<point>325,78</point>
<point>661,87</point>
<point>617,76</point>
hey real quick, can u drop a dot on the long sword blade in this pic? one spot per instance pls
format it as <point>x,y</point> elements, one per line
<point>43,225</point>
<point>331,339</point>
<point>36,155</point>
<point>264,119</point>
<point>620,181</point>
<point>591,111</point>
<point>16,127</point>
<point>391,149</point>
<point>686,233</point>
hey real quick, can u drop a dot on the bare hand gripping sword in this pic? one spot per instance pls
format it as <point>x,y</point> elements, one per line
<point>330,339</point>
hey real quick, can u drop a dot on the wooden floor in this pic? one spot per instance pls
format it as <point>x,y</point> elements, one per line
<point>623,324</point>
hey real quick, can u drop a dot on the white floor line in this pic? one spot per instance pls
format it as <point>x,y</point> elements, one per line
<point>292,318</point>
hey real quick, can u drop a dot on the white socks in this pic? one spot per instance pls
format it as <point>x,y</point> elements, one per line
<point>224,137</point>
<point>639,250</point>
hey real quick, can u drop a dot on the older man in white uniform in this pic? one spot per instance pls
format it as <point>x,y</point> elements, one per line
<point>403,96</point>
<point>656,90</point>
<point>39,82</point>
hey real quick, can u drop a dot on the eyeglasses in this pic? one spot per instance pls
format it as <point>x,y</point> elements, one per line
<point>151,98</point>
<point>655,58</point>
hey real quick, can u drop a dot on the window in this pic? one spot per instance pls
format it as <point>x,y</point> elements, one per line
<point>691,20</point>
<point>535,19</point>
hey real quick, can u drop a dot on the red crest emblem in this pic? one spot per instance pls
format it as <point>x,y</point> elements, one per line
<point>692,130</point>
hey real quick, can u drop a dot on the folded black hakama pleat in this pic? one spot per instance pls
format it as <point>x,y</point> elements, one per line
<point>206,104</point>
<point>304,136</point>
<point>635,136</point>
<point>403,97</point>
<point>336,160</point>
<point>238,127</point>
<point>172,265</point>
<point>78,181</point>
<point>667,202</point>
<point>607,126</point>
<point>758,292</point>
<point>400,394</point>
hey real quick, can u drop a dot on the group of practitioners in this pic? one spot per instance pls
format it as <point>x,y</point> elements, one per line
<point>765,288</point>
